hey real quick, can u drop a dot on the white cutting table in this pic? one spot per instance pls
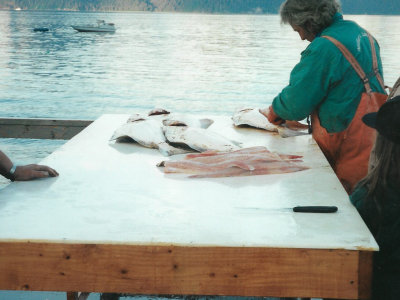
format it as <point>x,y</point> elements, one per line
<point>113,222</point>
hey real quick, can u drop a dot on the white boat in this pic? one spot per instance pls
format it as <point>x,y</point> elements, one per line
<point>101,26</point>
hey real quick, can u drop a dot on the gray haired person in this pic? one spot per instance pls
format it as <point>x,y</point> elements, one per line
<point>310,18</point>
<point>337,81</point>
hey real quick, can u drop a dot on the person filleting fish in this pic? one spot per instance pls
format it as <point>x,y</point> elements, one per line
<point>337,81</point>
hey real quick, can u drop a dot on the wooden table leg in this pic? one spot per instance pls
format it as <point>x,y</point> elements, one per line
<point>72,296</point>
<point>77,296</point>
<point>109,296</point>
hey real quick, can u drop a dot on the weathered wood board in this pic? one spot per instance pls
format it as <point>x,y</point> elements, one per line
<point>41,128</point>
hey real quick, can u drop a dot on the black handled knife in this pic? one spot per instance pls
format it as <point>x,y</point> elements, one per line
<point>315,209</point>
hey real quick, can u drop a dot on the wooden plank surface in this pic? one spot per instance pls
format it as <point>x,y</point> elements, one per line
<point>41,128</point>
<point>168,269</point>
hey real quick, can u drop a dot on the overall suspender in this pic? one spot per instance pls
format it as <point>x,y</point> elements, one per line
<point>352,60</point>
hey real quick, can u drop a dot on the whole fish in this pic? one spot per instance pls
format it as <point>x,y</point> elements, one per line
<point>147,129</point>
<point>148,133</point>
<point>199,139</point>
<point>184,120</point>
<point>252,117</point>
<point>176,119</point>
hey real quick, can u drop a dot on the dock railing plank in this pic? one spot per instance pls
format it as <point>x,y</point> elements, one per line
<point>32,128</point>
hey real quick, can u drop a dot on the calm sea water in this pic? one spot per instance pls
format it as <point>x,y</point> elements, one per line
<point>181,62</point>
<point>185,62</point>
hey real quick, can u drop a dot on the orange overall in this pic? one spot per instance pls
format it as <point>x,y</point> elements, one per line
<point>348,151</point>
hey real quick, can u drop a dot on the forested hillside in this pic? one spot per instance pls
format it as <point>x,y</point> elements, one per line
<point>208,6</point>
<point>204,6</point>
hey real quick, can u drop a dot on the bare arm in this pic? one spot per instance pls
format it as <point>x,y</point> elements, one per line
<point>22,173</point>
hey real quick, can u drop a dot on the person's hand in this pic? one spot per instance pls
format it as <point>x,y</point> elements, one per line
<point>29,172</point>
<point>272,116</point>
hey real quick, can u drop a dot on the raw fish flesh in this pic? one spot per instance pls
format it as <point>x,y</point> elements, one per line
<point>243,162</point>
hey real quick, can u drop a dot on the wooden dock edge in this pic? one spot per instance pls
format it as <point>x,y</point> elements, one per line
<point>182,270</point>
<point>41,128</point>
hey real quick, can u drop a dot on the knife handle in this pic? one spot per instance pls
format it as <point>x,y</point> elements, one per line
<point>315,209</point>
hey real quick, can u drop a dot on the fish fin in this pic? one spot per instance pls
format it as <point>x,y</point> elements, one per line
<point>161,164</point>
<point>123,139</point>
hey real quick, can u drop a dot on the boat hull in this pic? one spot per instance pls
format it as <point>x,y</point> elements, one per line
<point>92,29</point>
<point>40,29</point>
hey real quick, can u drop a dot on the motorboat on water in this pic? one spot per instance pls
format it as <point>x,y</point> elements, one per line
<point>101,26</point>
<point>40,29</point>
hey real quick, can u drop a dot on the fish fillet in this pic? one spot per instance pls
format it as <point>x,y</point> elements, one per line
<point>233,172</point>
<point>243,162</point>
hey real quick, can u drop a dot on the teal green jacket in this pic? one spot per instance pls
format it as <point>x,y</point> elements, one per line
<point>386,281</point>
<point>325,81</point>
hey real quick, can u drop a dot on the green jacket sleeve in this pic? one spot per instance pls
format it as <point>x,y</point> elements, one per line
<point>309,82</point>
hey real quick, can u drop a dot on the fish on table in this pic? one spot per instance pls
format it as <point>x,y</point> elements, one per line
<point>199,139</point>
<point>158,111</point>
<point>184,120</point>
<point>147,130</point>
<point>178,119</point>
<point>253,118</point>
<point>243,162</point>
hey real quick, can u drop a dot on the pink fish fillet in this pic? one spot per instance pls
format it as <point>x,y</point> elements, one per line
<point>187,166</point>
<point>243,162</point>
<point>216,153</point>
<point>219,156</point>
<point>235,172</point>
<point>243,154</point>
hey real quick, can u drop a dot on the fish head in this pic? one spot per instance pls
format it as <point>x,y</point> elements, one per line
<point>158,111</point>
<point>136,118</point>
<point>172,122</point>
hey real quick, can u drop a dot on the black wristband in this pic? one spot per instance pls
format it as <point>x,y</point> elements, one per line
<point>11,174</point>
